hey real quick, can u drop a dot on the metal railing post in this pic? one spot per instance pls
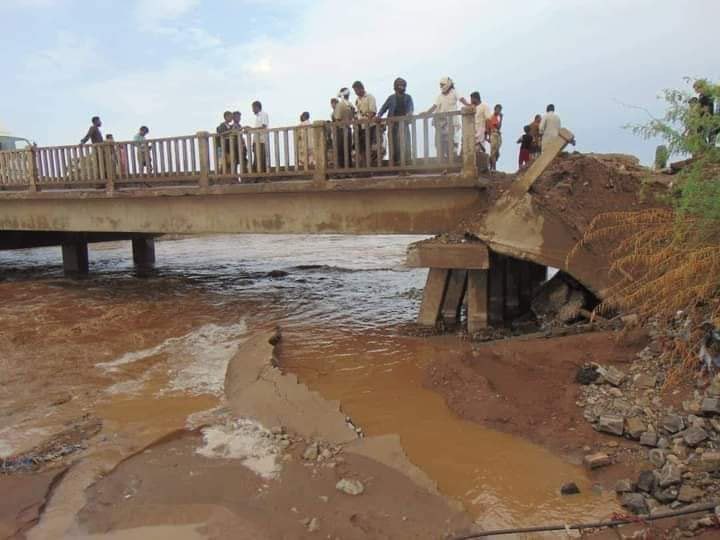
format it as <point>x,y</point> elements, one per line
<point>469,162</point>
<point>32,168</point>
<point>320,151</point>
<point>204,151</point>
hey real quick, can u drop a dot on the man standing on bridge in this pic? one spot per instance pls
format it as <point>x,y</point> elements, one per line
<point>398,104</point>
<point>260,138</point>
<point>93,135</point>
<point>366,110</point>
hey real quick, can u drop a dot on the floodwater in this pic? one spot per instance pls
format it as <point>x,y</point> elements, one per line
<point>147,354</point>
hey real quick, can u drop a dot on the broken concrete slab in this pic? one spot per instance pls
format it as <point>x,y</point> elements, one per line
<point>597,460</point>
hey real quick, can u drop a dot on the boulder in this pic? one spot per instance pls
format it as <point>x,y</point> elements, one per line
<point>612,375</point>
<point>710,405</point>
<point>569,489</point>
<point>694,435</point>
<point>714,389</point>
<point>656,457</point>
<point>666,496</point>
<point>611,424</point>
<point>623,486</point>
<point>670,475</point>
<point>634,427</point>
<point>710,462</point>
<point>350,486</point>
<point>645,381</point>
<point>311,452</point>
<point>586,374</point>
<point>649,438</point>
<point>647,481</point>
<point>596,460</point>
<point>689,494</point>
<point>672,423</point>
<point>635,502</point>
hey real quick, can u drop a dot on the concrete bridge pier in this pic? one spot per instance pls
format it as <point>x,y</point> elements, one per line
<point>143,251</point>
<point>496,288</point>
<point>75,258</point>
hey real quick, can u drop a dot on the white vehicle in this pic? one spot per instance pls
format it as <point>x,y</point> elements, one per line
<point>11,142</point>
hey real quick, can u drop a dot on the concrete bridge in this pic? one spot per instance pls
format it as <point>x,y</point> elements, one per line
<point>361,177</point>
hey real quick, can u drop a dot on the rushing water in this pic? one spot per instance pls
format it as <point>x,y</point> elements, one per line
<point>339,300</point>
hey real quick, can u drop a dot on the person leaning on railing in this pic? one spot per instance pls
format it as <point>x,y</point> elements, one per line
<point>343,115</point>
<point>94,135</point>
<point>366,108</point>
<point>398,104</point>
<point>222,143</point>
<point>445,128</point>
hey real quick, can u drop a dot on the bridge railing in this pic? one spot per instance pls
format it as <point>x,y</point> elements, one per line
<point>420,143</point>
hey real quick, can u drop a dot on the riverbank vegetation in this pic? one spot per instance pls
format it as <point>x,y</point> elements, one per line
<point>665,262</point>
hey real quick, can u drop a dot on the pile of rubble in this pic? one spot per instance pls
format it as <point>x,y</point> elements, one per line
<point>679,449</point>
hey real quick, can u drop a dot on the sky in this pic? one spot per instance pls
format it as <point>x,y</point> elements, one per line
<point>175,65</point>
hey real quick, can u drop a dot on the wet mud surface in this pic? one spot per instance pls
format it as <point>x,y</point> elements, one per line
<point>148,358</point>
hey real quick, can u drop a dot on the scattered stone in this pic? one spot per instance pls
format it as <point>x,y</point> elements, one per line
<point>586,374</point>
<point>694,436</point>
<point>615,392</point>
<point>692,406</point>
<point>634,502</point>
<point>656,457</point>
<point>670,475</point>
<point>672,423</point>
<point>634,427</point>
<point>714,389</point>
<point>710,406</point>
<point>350,486</point>
<point>630,320</point>
<point>647,481</point>
<point>715,424</point>
<point>649,438</point>
<point>666,496</point>
<point>277,430</point>
<point>569,489</point>
<point>623,486</point>
<point>663,443</point>
<point>612,375</point>
<point>710,461</point>
<point>611,424</point>
<point>311,452</point>
<point>597,460</point>
<point>314,525</point>
<point>645,381</point>
<point>689,494</point>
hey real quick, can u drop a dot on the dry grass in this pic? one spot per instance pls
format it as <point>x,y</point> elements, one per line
<point>665,267</point>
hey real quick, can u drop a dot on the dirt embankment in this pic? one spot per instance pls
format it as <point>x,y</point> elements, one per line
<point>527,388</point>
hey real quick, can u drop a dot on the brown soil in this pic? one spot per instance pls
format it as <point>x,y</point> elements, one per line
<point>527,388</point>
<point>578,187</point>
<point>170,484</point>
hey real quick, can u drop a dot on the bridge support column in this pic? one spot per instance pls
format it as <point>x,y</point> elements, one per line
<point>454,297</point>
<point>433,296</point>
<point>143,250</point>
<point>75,258</point>
<point>496,289</point>
<point>477,301</point>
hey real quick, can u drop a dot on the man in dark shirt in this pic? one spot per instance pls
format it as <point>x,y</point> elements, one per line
<point>222,143</point>
<point>398,104</point>
<point>93,134</point>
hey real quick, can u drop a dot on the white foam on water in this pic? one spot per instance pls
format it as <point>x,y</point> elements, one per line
<point>245,440</point>
<point>197,361</point>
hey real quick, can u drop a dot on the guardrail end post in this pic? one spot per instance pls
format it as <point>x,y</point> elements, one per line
<point>320,152</point>
<point>32,168</point>
<point>469,161</point>
<point>204,150</point>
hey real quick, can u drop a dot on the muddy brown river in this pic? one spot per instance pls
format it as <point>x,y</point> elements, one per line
<point>148,355</point>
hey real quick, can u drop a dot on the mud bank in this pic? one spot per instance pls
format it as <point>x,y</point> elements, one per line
<point>272,487</point>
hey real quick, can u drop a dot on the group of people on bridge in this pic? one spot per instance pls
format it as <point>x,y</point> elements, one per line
<point>356,131</point>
